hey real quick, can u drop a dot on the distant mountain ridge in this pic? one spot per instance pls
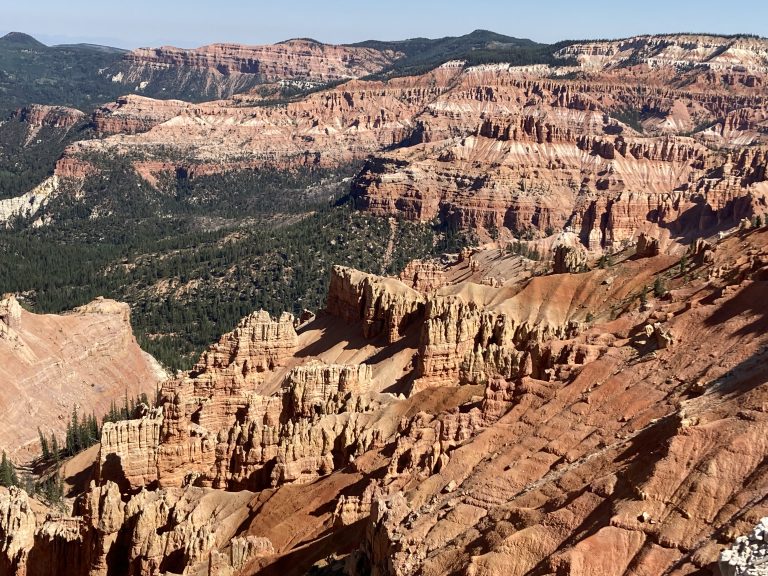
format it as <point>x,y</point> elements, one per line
<point>33,73</point>
<point>86,75</point>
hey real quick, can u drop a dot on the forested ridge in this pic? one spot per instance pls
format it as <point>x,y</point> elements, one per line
<point>25,162</point>
<point>199,253</point>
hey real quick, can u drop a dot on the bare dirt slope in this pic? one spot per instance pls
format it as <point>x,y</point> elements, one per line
<point>53,364</point>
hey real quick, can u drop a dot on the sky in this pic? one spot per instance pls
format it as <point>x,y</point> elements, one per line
<point>190,23</point>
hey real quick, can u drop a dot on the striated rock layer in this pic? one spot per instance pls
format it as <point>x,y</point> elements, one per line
<point>503,149</point>
<point>39,115</point>
<point>543,425</point>
<point>53,364</point>
<point>221,70</point>
<point>663,135</point>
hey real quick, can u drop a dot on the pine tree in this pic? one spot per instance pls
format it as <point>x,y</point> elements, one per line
<point>43,444</point>
<point>93,430</point>
<point>55,448</point>
<point>76,433</point>
<point>7,472</point>
<point>69,440</point>
<point>52,489</point>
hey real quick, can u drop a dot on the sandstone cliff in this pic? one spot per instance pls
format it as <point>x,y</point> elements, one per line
<point>38,115</point>
<point>651,140</point>
<point>52,364</point>
<point>551,426</point>
<point>222,70</point>
<point>716,53</point>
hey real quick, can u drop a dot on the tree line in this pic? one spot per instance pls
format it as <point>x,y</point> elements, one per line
<point>83,431</point>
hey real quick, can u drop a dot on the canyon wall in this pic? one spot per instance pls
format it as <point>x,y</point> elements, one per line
<point>51,365</point>
<point>554,424</point>
<point>661,137</point>
<point>488,416</point>
<point>222,70</point>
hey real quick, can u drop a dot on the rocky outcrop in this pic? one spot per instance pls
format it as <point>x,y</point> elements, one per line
<point>748,555</point>
<point>242,551</point>
<point>128,451</point>
<point>701,252</point>
<point>316,388</point>
<point>10,314</point>
<point>647,246</point>
<point>214,429</point>
<point>39,115</point>
<point>461,342</point>
<point>424,276</point>
<point>718,53</point>
<point>159,530</point>
<point>382,305</point>
<point>133,114</point>
<point>533,155</point>
<point>569,259</point>
<point>257,344</point>
<point>37,540</point>
<point>222,70</point>
<point>28,204</point>
<point>314,424</point>
<point>153,531</point>
<point>51,365</point>
<point>17,531</point>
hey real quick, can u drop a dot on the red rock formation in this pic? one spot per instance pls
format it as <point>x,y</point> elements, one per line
<point>381,305</point>
<point>496,147</point>
<point>424,276</point>
<point>50,365</point>
<point>634,443</point>
<point>257,344</point>
<point>38,115</point>
<point>717,53</point>
<point>215,429</point>
<point>132,114</point>
<point>226,69</point>
<point>569,258</point>
<point>534,496</point>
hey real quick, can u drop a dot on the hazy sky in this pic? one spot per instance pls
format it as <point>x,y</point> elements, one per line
<point>188,23</point>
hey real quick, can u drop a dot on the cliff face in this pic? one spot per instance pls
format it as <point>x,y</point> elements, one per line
<point>326,128</point>
<point>652,138</point>
<point>132,114</point>
<point>717,53</point>
<point>222,70</point>
<point>382,306</point>
<point>537,155</point>
<point>52,364</point>
<point>247,417</point>
<point>547,424</point>
<point>38,115</point>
